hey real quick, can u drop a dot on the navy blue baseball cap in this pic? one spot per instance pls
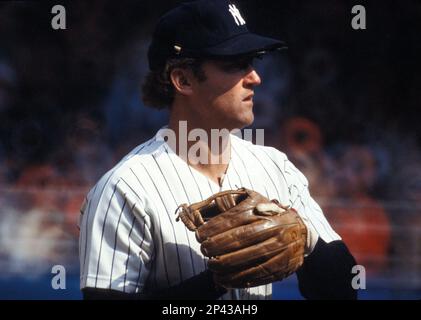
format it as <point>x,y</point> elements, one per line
<point>205,28</point>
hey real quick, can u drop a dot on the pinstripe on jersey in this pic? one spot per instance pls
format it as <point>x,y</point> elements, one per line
<point>129,239</point>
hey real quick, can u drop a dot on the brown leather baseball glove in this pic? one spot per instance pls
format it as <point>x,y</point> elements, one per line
<point>250,240</point>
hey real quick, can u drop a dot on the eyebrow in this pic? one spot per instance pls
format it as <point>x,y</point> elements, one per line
<point>236,59</point>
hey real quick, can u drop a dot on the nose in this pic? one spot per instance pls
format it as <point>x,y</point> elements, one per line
<point>252,78</point>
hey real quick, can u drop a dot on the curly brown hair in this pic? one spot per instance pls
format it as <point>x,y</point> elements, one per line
<point>158,90</point>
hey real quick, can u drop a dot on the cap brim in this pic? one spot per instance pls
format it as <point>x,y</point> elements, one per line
<point>245,43</point>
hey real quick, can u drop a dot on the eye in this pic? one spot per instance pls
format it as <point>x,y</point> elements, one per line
<point>239,65</point>
<point>246,64</point>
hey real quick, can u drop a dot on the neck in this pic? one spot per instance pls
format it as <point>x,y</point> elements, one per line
<point>202,147</point>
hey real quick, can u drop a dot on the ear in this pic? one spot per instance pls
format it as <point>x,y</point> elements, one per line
<point>181,80</point>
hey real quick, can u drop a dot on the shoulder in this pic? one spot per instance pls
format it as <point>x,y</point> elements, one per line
<point>271,157</point>
<point>127,174</point>
<point>245,146</point>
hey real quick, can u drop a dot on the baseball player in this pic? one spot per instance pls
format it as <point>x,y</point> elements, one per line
<point>131,247</point>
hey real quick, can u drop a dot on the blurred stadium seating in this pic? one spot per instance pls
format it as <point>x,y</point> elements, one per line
<point>34,238</point>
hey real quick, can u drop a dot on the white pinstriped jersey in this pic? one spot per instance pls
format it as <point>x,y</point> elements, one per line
<point>129,239</point>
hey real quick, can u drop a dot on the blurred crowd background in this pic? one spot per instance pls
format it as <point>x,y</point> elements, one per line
<point>342,103</point>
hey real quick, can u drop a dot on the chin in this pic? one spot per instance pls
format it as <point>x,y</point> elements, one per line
<point>249,117</point>
<point>249,121</point>
<point>245,121</point>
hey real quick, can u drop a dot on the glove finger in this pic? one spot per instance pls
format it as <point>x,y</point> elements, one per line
<point>283,273</point>
<point>253,255</point>
<point>240,214</point>
<point>220,203</point>
<point>250,234</point>
<point>248,282</point>
<point>226,221</point>
<point>239,238</point>
<point>276,268</point>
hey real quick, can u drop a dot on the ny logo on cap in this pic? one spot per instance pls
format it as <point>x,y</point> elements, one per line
<point>236,14</point>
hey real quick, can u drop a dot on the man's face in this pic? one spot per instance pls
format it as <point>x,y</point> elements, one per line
<point>225,98</point>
